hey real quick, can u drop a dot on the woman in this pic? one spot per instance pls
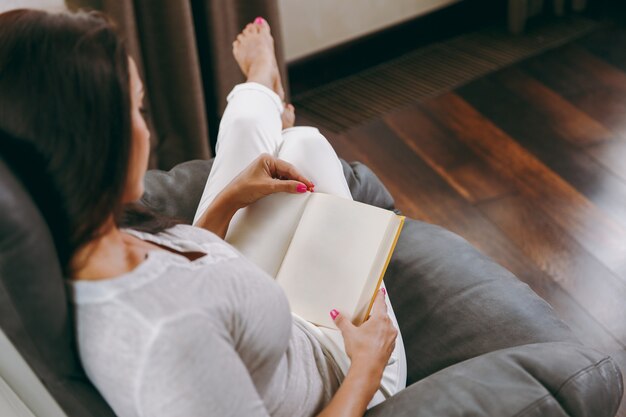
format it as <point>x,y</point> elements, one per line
<point>172,321</point>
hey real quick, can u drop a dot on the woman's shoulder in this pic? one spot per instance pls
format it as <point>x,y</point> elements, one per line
<point>182,236</point>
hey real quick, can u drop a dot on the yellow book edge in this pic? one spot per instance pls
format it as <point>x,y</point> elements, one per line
<point>382,274</point>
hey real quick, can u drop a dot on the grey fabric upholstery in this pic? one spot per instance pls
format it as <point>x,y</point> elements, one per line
<point>478,341</point>
<point>34,309</point>
<point>537,380</point>
<point>177,192</point>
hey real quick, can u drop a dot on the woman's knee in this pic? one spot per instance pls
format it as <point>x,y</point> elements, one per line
<point>245,131</point>
<point>242,124</point>
<point>310,145</point>
<point>252,111</point>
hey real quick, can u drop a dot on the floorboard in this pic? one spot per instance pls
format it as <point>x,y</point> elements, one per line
<point>534,129</point>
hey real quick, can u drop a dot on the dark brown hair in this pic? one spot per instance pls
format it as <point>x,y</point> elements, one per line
<point>65,118</point>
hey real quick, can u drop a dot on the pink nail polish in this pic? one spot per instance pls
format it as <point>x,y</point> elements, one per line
<point>301,188</point>
<point>333,314</point>
<point>384,291</point>
<point>258,20</point>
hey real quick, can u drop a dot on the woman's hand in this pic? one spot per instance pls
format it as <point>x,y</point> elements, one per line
<point>369,347</point>
<point>264,176</point>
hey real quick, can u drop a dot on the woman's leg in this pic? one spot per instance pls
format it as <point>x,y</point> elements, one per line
<point>251,125</point>
<point>309,151</point>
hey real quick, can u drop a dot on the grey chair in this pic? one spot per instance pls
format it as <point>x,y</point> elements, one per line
<point>479,342</point>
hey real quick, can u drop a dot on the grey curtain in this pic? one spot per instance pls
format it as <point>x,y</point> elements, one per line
<point>183,49</point>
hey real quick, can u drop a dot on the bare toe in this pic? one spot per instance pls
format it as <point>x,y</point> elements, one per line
<point>254,52</point>
<point>262,23</point>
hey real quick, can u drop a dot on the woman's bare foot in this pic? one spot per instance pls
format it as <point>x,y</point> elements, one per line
<point>289,116</point>
<point>254,52</point>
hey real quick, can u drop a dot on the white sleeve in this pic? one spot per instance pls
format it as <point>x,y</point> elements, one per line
<point>192,369</point>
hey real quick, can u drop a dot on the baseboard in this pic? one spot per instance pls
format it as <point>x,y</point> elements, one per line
<point>346,59</point>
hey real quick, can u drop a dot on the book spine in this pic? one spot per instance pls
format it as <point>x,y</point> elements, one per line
<point>382,274</point>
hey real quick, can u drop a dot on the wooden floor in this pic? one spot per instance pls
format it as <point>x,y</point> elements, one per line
<point>528,164</point>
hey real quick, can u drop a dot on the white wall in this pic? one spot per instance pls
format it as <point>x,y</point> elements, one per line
<point>312,25</point>
<point>53,5</point>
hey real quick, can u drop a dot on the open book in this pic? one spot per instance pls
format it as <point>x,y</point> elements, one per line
<point>324,251</point>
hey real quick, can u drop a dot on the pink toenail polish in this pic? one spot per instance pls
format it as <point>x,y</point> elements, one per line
<point>301,188</point>
<point>258,20</point>
<point>333,314</point>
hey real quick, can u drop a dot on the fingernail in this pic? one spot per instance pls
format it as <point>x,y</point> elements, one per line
<point>301,188</point>
<point>258,20</point>
<point>384,291</point>
<point>333,314</point>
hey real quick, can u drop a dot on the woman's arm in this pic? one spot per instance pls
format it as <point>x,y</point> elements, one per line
<point>369,347</point>
<point>218,215</point>
<point>355,392</point>
<point>190,369</point>
<point>264,176</point>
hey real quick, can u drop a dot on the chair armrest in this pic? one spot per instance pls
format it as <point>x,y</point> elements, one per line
<point>365,186</point>
<point>538,380</point>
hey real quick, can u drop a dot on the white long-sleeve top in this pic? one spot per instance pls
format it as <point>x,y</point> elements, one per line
<point>209,337</point>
